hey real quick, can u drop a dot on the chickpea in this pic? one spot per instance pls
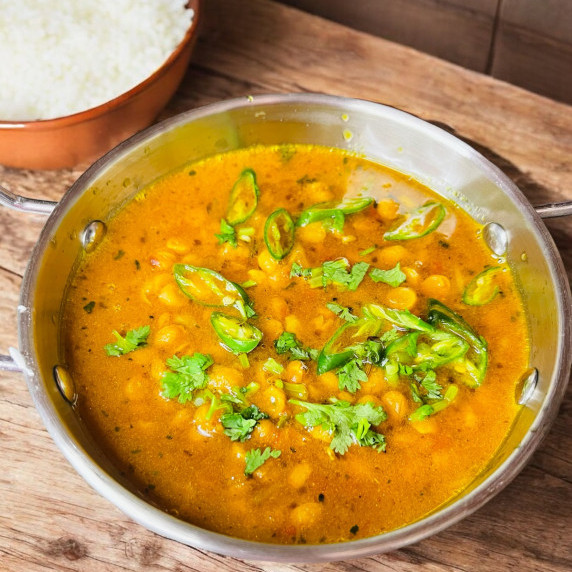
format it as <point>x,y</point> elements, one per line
<point>300,474</point>
<point>178,246</point>
<point>171,295</point>
<point>387,209</point>
<point>313,233</point>
<point>306,514</point>
<point>295,371</point>
<point>395,403</point>
<point>389,256</point>
<point>436,286</point>
<point>224,378</point>
<point>401,298</point>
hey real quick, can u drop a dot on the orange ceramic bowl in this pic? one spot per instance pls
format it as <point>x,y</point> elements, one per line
<point>67,141</point>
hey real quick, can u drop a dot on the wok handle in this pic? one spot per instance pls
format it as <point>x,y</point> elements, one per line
<point>553,210</point>
<point>25,204</point>
<point>7,363</point>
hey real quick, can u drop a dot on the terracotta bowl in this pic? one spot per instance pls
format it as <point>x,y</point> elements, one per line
<point>67,141</point>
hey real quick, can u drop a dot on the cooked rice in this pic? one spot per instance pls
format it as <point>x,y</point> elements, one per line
<point>65,56</point>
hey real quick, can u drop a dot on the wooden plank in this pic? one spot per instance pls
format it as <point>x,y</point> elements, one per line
<point>533,48</point>
<point>459,31</point>
<point>49,517</point>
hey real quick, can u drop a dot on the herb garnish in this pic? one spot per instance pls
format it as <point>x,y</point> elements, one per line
<point>240,424</point>
<point>227,233</point>
<point>255,458</point>
<point>342,312</point>
<point>187,375</point>
<point>350,424</point>
<point>393,277</point>
<point>133,340</point>
<point>288,343</point>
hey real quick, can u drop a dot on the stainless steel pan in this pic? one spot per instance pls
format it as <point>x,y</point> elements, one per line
<point>394,138</point>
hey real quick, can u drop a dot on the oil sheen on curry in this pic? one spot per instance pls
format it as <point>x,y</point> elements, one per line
<point>292,344</point>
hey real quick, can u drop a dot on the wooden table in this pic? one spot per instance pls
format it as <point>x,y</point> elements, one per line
<point>50,519</point>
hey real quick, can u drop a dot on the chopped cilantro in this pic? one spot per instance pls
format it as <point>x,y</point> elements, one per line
<point>227,233</point>
<point>349,424</point>
<point>255,458</point>
<point>354,529</point>
<point>119,254</point>
<point>123,345</point>
<point>429,383</point>
<point>187,375</point>
<point>89,307</point>
<point>288,343</point>
<point>272,366</point>
<point>342,312</point>
<point>368,251</point>
<point>393,277</point>
<point>239,425</point>
<point>421,413</point>
<point>298,270</point>
<point>350,375</point>
<point>336,272</point>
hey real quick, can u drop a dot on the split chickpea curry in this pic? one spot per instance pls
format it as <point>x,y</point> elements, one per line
<point>292,344</point>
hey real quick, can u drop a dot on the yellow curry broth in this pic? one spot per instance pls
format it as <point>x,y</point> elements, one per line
<point>177,455</point>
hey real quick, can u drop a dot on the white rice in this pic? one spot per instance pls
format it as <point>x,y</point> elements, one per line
<point>59,57</point>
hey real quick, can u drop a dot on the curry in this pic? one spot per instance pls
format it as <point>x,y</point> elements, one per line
<point>293,344</point>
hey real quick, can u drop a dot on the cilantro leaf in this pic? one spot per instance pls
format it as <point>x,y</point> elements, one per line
<point>123,345</point>
<point>239,425</point>
<point>350,375</point>
<point>342,312</point>
<point>349,424</point>
<point>236,426</point>
<point>393,277</point>
<point>227,233</point>
<point>255,458</point>
<point>357,274</point>
<point>298,270</point>
<point>288,343</point>
<point>335,271</point>
<point>187,375</point>
<point>430,385</point>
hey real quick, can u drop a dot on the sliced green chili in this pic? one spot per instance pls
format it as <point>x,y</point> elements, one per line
<point>210,288</point>
<point>279,233</point>
<point>418,222</point>
<point>332,210</point>
<point>474,363</point>
<point>243,198</point>
<point>347,342</point>
<point>236,334</point>
<point>483,287</point>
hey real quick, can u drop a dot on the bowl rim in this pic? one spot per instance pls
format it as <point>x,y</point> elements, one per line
<point>119,100</point>
<point>192,535</point>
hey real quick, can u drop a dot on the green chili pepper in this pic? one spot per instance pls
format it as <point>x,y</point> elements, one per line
<point>210,288</point>
<point>474,363</point>
<point>482,288</point>
<point>322,211</point>
<point>418,222</point>
<point>243,198</point>
<point>279,233</point>
<point>236,334</point>
<point>347,342</point>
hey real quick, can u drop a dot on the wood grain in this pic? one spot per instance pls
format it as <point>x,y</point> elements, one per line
<point>459,31</point>
<point>49,517</point>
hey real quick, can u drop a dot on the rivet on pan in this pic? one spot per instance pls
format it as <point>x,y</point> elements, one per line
<point>526,386</point>
<point>496,238</point>
<point>65,384</point>
<point>92,235</point>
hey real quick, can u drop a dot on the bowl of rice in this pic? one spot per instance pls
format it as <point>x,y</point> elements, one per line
<point>79,77</point>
